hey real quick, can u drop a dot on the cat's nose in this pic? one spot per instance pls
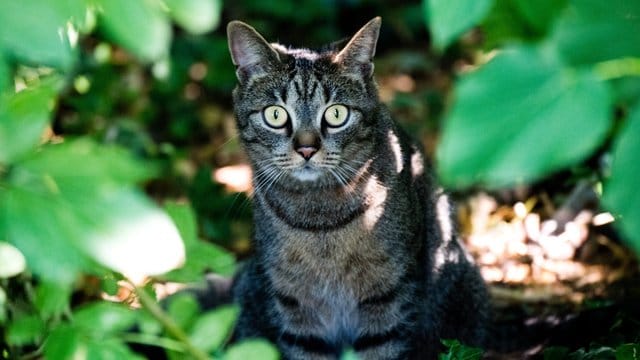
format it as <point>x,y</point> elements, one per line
<point>306,151</point>
<point>306,143</point>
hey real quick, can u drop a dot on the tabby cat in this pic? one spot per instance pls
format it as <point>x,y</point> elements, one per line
<point>354,247</point>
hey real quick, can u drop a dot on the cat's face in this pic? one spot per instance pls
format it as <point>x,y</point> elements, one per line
<point>304,117</point>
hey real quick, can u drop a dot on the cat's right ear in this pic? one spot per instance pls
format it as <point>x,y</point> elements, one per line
<point>250,52</point>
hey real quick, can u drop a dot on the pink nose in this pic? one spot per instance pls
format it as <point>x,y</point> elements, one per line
<point>306,151</point>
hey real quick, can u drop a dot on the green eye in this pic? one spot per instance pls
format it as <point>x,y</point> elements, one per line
<point>336,115</point>
<point>275,116</point>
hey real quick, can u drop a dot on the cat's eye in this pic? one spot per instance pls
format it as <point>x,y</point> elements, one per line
<point>275,116</point>
<point>336,115</point>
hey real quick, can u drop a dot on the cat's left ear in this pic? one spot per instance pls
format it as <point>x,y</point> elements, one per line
<point>359,52</point>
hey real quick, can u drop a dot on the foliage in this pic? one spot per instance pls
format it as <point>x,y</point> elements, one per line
<point>458,351</point>
<point>555,92</point>
<point>71,208</point>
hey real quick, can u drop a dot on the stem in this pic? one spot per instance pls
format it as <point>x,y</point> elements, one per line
<point>618,68</point>
<point>167,322</point>
<point>153,340</point>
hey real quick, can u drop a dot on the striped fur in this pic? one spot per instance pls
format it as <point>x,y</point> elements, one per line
<point>354,247</point>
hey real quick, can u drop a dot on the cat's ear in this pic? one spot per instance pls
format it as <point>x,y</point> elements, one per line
<point>360,49</point>
<point>250,52</point>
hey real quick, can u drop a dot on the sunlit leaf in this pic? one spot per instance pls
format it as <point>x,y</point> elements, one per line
<point>516,119</point>
<point>619,191</point>
<point>195,16</point>
<point>213,328</point>
<point>448,19</point>
<point>107,218</point>
<point>23,118</point>
<point>12,261</point>
<point>104,317</point>
<point>130,225</point>
<point>256,349</point>
<point>35,31</point>
<point>138,26</point>
<point>25,330</point>
<point>586,31</point>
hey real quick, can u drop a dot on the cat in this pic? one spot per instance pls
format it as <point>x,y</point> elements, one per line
<point>355,248</point>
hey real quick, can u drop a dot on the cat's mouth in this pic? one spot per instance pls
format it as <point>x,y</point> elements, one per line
<point>306,173</point>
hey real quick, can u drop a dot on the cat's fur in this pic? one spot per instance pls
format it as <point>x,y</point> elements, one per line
<point>354,247</point>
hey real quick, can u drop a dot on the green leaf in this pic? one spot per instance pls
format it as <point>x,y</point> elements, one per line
<point>254,349</point>
<point>103,167</point>
<point>130,225</point>
<point>586,31</point>
<point>25,330</point>
<point>5,75</point>
<point>12,261</point>
<point>104,317</point>
<point>619,193</point>
<point>105,217</point>
<point>519,118</point>
<point>35,31</point>
<point>23,118</point>
<point>43,234</point>
<point>540,14</point>
<point>109,285</point>
<point>195,16</point>
<point>459,351</point>
<point>64,342</point>
<point>203,257</point>
<point>448,19</point>
<point>628,352</point>
<point>183,308</point>
<point>52,298</point>
<point>110,349</point>
<point>185,219</point>
<point>213,328</point>
<point>138,26</point>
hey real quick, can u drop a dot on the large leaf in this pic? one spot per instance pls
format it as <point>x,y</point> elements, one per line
<point>256,349</point>
<point>35,31</point>
<point>23,118</point>
<point>91,209</point>
<point>44,234</point>
<point>520,117</point>
<point>103,318</point>
<point>139,26</point>
<point>448,19</point>
<point>195,16</point>
<point>540,14</point>
<point>595,30</point>
<point>620,194</point>
<point>213,328</point>
<point>5,74</point>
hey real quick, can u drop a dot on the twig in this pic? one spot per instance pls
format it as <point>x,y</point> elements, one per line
<point>167,322</point>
